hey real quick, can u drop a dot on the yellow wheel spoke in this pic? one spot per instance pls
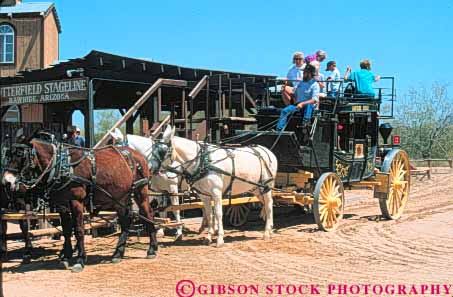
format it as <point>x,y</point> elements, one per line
<point>323,215</point>
<point>401,174</point>
<point>324,193</point>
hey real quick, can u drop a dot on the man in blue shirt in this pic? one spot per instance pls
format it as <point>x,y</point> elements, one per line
<point>307,94</point>
<point>363,79</point>
<point>79,139</point>
<point>75,138</point>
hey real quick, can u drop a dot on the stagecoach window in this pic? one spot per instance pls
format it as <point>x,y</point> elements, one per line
<point>6,44</point>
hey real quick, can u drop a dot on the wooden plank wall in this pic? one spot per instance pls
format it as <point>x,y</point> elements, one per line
<point>51,40</point>
<point>28,45</point>
<point>34,49</point>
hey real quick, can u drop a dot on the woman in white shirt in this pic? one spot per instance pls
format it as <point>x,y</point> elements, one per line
<point>293,77</point>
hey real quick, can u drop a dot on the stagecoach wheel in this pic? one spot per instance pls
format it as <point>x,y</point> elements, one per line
<point>237,214</point>
<point>396,164</point>
<point>328,202</point>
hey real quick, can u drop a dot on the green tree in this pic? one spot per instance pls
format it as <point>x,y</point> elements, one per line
<point>105,119</point>
<point>425,121</point>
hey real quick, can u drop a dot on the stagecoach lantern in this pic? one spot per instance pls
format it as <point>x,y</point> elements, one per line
<point>385,130</point>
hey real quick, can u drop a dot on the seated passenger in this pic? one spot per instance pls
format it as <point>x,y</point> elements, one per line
<point>294,76</point>
<point>307,93</point>
<point>322,82</point>
<point>332,74</point>
<point>316,58</point>
<point>363,79</point>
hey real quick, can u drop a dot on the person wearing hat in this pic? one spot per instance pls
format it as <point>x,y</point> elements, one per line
<point>293,77</point>
<point>332,74</point>
<point>75,138</point>
<point>307,94</point>
<point>363,79</point>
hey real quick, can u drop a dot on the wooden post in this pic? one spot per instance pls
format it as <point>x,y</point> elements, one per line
<point>159,104</point>
<point>139,103</point>
<point>90,131</point>
<point>184,113</point>
<point>230,99</point>
<point>242,114</point>
<point>198,87</point>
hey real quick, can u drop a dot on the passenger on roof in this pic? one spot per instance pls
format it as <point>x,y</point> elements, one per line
<point>316,58</point>
<point>333,77</point>
<point>294,76</point>
<point>320,78</point>
<point>363,79</point>
<point>307,94</point>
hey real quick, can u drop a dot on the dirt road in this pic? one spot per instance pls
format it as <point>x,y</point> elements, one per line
<point>417,249</point>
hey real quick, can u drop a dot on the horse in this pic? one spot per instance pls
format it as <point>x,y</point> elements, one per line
<point>104,178</point>
<point>8,202</point>
<point>162,181</point>
<point>214,172</point>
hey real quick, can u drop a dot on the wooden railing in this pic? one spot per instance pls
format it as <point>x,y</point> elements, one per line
<point>430,161</point>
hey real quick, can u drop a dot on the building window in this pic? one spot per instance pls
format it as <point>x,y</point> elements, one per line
<point>6,44</point>
<point>12,115</point>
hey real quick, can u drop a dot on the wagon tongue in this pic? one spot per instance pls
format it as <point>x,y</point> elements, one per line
<point>385,129</point>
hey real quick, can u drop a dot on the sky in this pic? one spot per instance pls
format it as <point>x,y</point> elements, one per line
<point>410,40</point>
<point>406,39</point>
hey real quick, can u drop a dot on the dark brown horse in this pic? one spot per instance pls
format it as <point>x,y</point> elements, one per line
<point>70,174</point>
<point>17,204</point>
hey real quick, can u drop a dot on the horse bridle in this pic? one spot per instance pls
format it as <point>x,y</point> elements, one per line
<point>159,153</point>
<point>25,155</point>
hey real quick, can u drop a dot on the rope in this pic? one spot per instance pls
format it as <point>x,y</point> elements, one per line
<point>281,131</point>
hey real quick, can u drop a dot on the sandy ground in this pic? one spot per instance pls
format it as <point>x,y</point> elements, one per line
<point>416,249</point>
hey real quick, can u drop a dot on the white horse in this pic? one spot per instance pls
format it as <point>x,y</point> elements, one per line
<point>161,181</point>
<point>216,171</point>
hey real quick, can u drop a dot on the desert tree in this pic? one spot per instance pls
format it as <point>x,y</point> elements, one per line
<point>424,117</point>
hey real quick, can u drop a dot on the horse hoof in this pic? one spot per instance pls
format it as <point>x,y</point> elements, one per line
<point>178,237</point>
<point>77,268</point>
<point>267,237</point>
<point>151,256</point>
<point>116,260</point>
<point>207,241</point>
<point>219,243</point>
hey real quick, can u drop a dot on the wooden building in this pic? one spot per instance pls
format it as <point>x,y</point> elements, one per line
<point>214,102</point>
<point>29,40</point>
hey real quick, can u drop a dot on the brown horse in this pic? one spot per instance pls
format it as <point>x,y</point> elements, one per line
<point>8,202</point>
<point>70,174</point>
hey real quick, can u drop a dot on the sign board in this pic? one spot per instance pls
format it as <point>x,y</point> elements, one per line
<point>45,92</point>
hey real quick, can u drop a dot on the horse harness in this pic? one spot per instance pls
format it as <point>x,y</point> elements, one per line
<point>204,165</point>
<point>61,172</point>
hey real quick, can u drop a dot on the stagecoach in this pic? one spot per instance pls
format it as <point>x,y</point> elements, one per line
<point>344,146</point>
<point>339,149</point>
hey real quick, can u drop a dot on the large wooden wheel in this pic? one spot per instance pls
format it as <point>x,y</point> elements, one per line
<point>328,204</point>
<point>396,164</point>
<point>237,214</point>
